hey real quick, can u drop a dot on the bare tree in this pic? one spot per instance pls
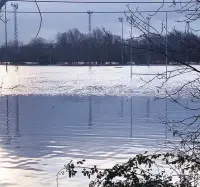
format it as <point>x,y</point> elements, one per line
<point>183,160</point>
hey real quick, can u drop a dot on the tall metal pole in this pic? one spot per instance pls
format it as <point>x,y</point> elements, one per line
<point>6,38</point>
<point>131,44</point>
<point>122,54</point>
<point>50,53</point>
<point>188,32</point>
<point>15,25</point>
<point>90,35</point>
<point>15,8</point>
<point>122,41</point>
<point>131,58</point>
<point>188,27</point>
<point>166,41</point>
<point>148,22</point>
<point>89,59</point>
<point>37,51</point>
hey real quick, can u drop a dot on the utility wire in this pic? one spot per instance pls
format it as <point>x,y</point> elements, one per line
<point>104,2</point>
<point>97,12</point>
<point>40,25</point>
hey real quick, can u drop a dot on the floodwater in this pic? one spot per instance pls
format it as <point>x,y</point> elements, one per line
<point>51,115</point>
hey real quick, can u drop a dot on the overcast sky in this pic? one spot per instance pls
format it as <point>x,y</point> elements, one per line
<point>54,23</point>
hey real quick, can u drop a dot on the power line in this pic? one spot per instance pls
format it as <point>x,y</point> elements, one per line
<point>99,12</point>
<point>106,2</point>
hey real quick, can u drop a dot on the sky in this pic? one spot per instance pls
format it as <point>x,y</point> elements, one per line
<point>53,23</point>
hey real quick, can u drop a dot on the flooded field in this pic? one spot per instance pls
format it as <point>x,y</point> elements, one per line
<point>50,115</point>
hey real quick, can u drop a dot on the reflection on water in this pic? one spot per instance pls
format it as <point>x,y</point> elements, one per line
<point>46,116</point>
<point>122,107</point>
<point>90,110</point>
<point>131,130</point>
<point>39,134</point>
<point>17,114</point>
<point>148,107</point>
<point>9,124</point>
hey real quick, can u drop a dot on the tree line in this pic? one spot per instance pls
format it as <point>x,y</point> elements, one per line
<point>101,47</point>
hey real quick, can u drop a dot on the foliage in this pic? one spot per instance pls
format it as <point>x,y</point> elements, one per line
<point>144,170</point>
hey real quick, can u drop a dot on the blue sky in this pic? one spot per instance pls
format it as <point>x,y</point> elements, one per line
<point>54,23</point>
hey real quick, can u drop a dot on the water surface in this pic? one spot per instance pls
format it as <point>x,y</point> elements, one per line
<point>50,115</point>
